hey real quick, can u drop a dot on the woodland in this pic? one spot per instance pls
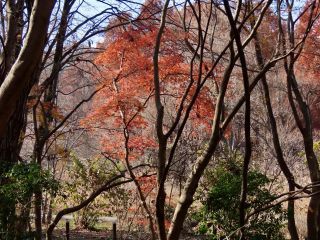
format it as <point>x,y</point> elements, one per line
<point>184,119</point>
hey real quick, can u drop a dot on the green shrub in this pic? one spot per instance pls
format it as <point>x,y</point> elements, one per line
<point>18,183</point>
<point>219,217</point>
<point>22,180</point>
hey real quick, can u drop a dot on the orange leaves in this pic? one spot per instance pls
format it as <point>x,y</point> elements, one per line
<point>308,67</point>
<point>147,184</point>
<point>142,143</point>
<point>138,145</point>
<point>127,71</point>
<point>126,68</point>
<point>203,110</point>
<point>142,221</point>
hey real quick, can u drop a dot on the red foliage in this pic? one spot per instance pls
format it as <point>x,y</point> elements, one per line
<point>148,183</point>
<point>127,72</point>
<point>308,66</point>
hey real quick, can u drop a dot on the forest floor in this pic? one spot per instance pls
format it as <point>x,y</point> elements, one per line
<point>88,235</point>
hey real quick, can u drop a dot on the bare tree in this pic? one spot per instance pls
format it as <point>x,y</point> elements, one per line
<point>238,18</point>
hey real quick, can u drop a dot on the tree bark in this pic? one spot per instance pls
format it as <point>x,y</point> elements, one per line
<point>302,116</point>
<point>42,131</point>
<point>37,213</point>
<point>162,139</point>
<point>247,127</point>
<point>191,184</point>
<point>16,86</point>
<point>276,142</point>
<point>22,70</point>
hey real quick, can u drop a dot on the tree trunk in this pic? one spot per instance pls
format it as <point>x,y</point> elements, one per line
<point>22,71</point>
<point>16,86</point>
<point>37,213</point>
<point>302,116</point>
<point>23,220</point>
<point>314,204</point>
<point>10,146</point>
<point>276,142</point>
<point>49,214</point>
<point>192,182</point>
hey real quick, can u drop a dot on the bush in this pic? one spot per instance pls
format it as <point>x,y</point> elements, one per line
<point>22,180</point>
<point>19,182</point>
<point>219,217</point>
<point>85,176</point>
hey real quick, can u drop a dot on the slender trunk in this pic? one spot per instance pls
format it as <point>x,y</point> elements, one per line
<point>247,122</point>
<point>291,216</point>
<point>140,193</point>
<point>11,36</point>
<point>49,214</point>
<point>162,139</point>
<point>45,208</point>
<point>186,197</point>
<point>302,116</point>
<point>37,212</point>
<point>305,126</point>
<point>23,220</point>
<point>276,142</point>
<point>49,97</point>
<point>39,144</point>
<point>283,166</point>
<point>161,196</point>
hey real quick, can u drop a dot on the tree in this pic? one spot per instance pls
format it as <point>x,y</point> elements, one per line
<point>218,127</point>
<point>28,59</point>
<point>304,121</point>
<point>205,64</point>
<point>19,64</point>
<point>121,107</point>
<point>167,72</point>
<point>30,75</point>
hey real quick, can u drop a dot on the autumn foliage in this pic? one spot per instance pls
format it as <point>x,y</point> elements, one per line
<point>126,72</point>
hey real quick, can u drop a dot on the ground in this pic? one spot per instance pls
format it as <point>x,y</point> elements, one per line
<point>88,235</point>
